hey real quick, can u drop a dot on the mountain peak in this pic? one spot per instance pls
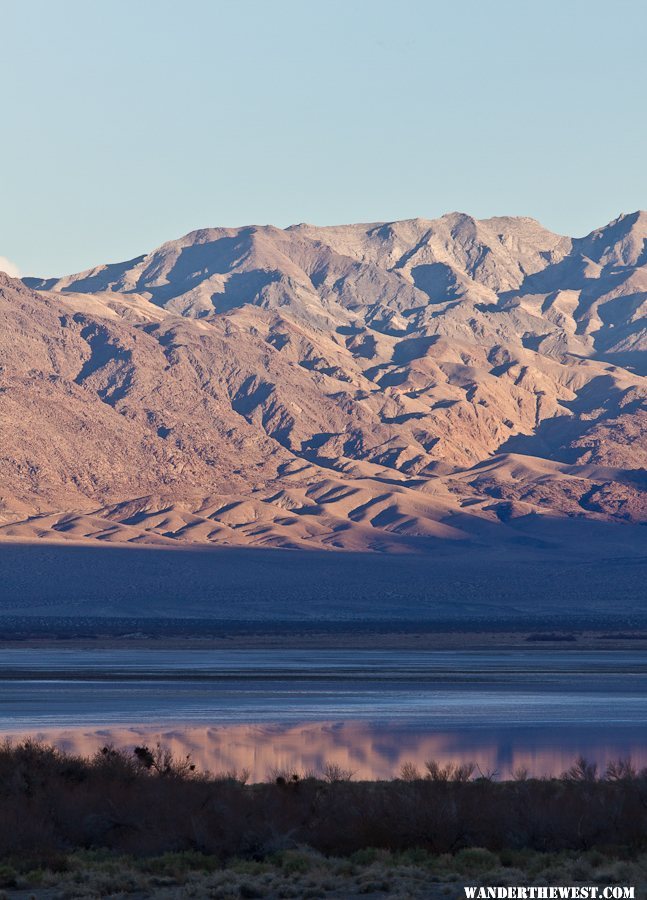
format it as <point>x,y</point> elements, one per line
<point>623,242</point>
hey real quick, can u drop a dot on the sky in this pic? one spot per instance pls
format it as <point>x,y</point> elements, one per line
<point>125,124</point>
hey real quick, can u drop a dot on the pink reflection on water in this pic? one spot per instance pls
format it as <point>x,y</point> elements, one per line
<point>369,750</point>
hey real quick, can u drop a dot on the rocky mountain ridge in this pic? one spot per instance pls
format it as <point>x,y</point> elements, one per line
<point>373,386</point>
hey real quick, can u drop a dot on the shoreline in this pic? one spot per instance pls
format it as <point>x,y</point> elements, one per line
<point>300,638</point>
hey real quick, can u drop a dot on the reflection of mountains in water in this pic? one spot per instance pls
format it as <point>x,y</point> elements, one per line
<point>369,750</point>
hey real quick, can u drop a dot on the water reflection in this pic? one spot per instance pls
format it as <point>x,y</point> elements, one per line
<point>366,711</point>
<point>368,749</point>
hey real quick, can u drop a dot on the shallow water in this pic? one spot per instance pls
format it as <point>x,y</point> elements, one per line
<point>368,711</point>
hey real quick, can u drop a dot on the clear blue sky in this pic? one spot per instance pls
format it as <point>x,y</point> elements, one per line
<point>129,122</point>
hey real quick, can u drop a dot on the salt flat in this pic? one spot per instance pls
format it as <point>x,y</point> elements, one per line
<point>70,585</point>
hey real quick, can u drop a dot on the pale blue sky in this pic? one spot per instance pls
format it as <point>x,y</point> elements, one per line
<point>129,122</point>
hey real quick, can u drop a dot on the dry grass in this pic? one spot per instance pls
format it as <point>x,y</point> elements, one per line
<point>304,873</point>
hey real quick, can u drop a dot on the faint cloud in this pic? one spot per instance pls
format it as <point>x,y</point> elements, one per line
<point>10,268</point>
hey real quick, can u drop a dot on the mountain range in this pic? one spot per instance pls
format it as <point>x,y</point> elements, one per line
<point>381,386</point>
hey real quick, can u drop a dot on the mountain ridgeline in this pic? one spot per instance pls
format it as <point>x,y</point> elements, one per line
<point>366,387</point>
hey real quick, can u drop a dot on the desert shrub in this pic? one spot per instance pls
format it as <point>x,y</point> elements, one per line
<point>247,866</point>
<point>250,891</point>
<point>365,856</point>
<point>528,860</point>
<point>177,864</point>
<point>333,772</point>
<point>450,771</point>
<point>240,776</point>
<point>581,770</point>
<point>281,775</point>
<point>416,856</point>
<point>161,761</point>
<point>410,772</point>
<point>618,872</point>
<point>297,861</point>
<point>8,876</point>
<point>475,859</point>
<point>581,869</point>
<point>151,805</point>
<point>620,770</point>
